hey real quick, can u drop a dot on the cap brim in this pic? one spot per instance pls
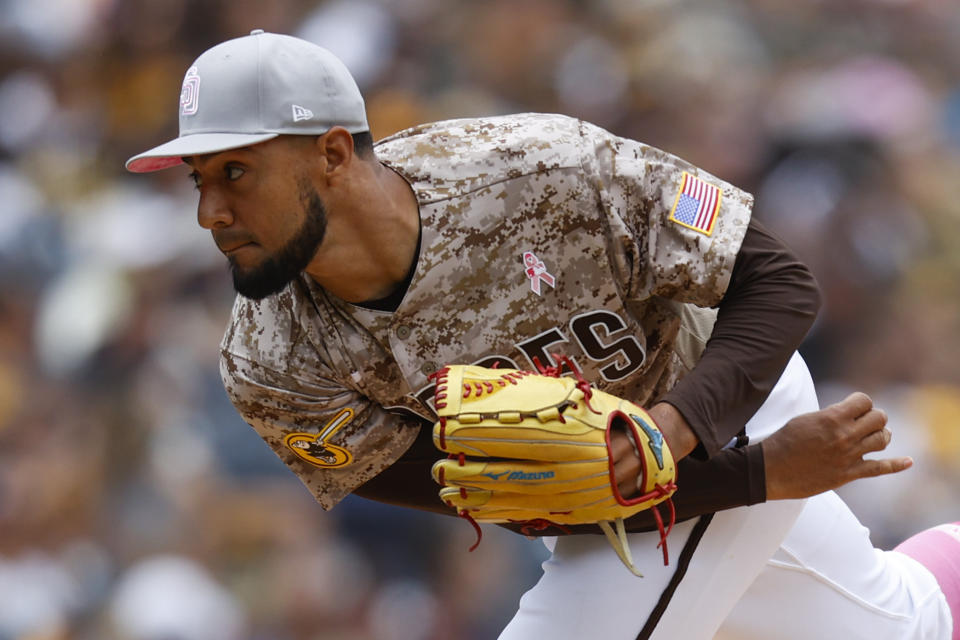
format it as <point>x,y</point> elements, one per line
<point>171,153</point>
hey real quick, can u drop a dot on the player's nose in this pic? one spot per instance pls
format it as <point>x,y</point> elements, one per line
<point>213,210</point>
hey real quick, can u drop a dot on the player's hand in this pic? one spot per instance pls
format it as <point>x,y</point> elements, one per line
<point>819,451</point>
<point>626,463</point>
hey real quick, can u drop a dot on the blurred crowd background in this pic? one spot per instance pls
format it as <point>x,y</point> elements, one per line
<point>136,505</point>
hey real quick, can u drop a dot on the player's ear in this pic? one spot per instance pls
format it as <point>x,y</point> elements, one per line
<point>336,150</point>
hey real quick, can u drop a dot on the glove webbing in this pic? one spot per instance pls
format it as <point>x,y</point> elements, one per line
<point>618,538</point>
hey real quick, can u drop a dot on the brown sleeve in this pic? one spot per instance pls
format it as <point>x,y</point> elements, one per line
<point>407,482</point>
<point>769,306</point>
<point>732,478</point>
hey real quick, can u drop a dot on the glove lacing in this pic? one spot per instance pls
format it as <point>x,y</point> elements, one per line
<point>616,534</point>
<point>618,537</point>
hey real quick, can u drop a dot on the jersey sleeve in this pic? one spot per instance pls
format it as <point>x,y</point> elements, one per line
<point>771,303</point>
<point>331,436</point>
<point>733,478</point>
<point>675,229</point>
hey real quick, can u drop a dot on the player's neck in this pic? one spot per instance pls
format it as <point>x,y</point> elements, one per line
<point>371,238</point>
<point>391,302</point>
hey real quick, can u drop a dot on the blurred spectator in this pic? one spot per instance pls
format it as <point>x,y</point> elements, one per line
<point>172,598</point>
<point>134,503</point>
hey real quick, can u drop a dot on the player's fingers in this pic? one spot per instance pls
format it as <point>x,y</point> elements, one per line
<point>876,440</point>
<point>873,468</point>
<point>625,472</point>
<point>620,446</point>
<point>869,423</point>
<point>854,405</point>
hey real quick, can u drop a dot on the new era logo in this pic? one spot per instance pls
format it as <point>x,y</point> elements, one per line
<point>301,113</point>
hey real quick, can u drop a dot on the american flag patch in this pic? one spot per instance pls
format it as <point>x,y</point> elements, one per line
<point>697,204</point>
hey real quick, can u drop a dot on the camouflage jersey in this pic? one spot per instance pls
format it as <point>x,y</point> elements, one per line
<point>539,234</point>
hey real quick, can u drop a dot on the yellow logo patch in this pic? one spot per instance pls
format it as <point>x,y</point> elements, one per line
<point>314,448</point>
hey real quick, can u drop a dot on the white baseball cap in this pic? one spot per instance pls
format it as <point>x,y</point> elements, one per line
<point>251,89</point>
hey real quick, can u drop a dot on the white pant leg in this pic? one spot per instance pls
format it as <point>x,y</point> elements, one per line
<point>585,592</point>
<point>828,581</point>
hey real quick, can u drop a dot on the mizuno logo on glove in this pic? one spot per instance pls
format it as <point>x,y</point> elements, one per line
<point>522,475</point>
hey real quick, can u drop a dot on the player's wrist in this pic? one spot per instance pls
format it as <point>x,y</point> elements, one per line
<point>676,431</point>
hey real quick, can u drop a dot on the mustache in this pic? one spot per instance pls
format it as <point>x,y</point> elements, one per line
<point>227,239</point>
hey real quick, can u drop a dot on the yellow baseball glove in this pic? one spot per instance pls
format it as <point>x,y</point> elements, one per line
<point>535,448</point>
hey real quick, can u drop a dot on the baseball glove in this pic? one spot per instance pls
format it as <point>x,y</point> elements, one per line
<point>534,448</point>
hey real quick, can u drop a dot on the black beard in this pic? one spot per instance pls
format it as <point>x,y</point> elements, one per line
<point>279,269</point>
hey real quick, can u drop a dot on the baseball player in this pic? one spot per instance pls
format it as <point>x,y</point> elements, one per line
<point>362,271</point>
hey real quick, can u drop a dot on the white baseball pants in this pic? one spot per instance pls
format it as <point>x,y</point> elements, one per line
<point>785,570</point>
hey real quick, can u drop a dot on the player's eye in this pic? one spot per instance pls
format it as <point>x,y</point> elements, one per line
<point>233,172</point>
<point>195,177</point>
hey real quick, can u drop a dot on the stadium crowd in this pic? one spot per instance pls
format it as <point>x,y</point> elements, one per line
<point>134,502</point>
